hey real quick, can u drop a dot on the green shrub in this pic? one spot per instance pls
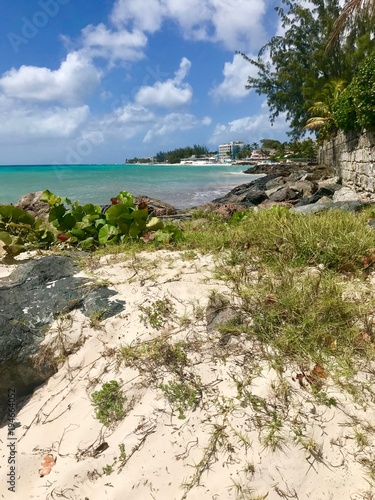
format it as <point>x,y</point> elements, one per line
<point>87,227</point>
<point>355,107</point>
<point>364,93</point>
<point>181,395</point>
<point>109,402</point>
<point>344,111</point>
<point>20,231</point>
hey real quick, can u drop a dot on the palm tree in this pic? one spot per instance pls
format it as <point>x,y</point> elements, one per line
<point>323,109</point>
<point>351,9</point>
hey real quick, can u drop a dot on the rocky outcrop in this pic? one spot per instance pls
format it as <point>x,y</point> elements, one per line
<point>30,299</point>
<point>288,186</point>
<point>159,208</point>
<point>32,204</point>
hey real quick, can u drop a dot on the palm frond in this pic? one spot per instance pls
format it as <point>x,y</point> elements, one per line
<point>316,123</point>
<point>351,8</point>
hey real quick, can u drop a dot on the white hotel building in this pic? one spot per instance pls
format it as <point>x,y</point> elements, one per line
<point>230,150</point>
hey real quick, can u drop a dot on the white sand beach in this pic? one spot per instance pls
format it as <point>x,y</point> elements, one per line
<point>249,433</point>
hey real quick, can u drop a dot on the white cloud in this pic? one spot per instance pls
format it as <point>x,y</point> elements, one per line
<point>235,74</point>
<point>146,15</point>
<point>25,123</point>
<point>132,114</point>
<point>124,45</point>
<point>174,122</point>
<point>238,23</point>
<point>169,94</point>
<point>250,128</point>
<point>72,82</point>
<point>235,23</point>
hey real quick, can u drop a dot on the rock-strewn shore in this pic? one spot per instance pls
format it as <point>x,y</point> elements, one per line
<point>303,188</point>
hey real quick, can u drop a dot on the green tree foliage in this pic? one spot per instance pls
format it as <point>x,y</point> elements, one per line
<point>178,154</point>
<point>355,107</point>
<point>270,143</point>
<point>344,114</point>
<point>293,67</point>
<point>323,109</point>
<point>245,152</point>
<point>364,93</point>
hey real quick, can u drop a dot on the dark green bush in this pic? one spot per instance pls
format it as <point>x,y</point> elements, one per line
<point>355,107</point>
<point>344,113</point>
<point>364,93</point>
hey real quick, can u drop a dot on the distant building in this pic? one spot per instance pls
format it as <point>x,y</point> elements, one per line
<point>230,150</point>
<point>262,154</point>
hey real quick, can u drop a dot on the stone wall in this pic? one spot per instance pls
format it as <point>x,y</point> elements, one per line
<point>352,156</point>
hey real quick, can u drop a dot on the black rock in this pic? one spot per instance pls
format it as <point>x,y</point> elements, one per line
<point>285,194</point>
<point>30,299</point>
<point>349,206</point>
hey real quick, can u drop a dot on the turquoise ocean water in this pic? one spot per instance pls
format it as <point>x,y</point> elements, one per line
<point>183,186</point>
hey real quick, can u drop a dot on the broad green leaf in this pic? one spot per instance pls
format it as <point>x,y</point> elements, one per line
<point>154,223</point>
<point>126,198</point>
<point>174,230</point>
<point>106,233</point>
<point>78,213</point>
<point>67,201</point>
<point>115,211</point>
<point>137,228</point>
<point>123,228</point>
<point>56,213</point>
<point>16,214</point>
<point>78,233</point>
<point>87,243</point>
<point>92,209</point>
<point>15,249</point>
<point>140,214</point>
<point>50,198</point>
<point>88,219</point>
<point>5,237</point>
<point>67,222</point>
<point>46,236</point>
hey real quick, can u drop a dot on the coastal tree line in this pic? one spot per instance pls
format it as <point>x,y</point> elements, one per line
<point>321,71</point>
<point>306,148</point>
<point>175,155</point>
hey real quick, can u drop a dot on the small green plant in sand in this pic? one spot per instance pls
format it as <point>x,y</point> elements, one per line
<point>108,469</point>
<point>155,355</point>
<point>181,395</point>
<point>157,313</point>
<point>96,317</point>
<point>109,403</point>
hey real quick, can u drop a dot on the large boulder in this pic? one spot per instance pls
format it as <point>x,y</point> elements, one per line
<point>158,207</point>
<point>348,206</point>
<point>285,194</point>
<point>30,299</point>
<point>345,194</point>
<point>307,188</point>
<point>32,204</point>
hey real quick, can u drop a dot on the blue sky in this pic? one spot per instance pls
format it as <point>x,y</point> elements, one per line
<point>104,80</point>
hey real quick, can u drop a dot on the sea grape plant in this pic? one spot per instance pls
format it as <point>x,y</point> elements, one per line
<point>20,231</point>
<point>88,227</point>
